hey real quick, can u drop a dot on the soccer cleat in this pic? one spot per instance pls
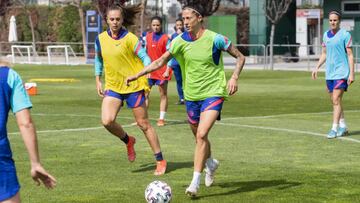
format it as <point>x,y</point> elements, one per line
<point>191,191</point>
<point>130,149</point>
<point>160,167</point>
<point>331,134</point>
<point>161,122</point>
<point>210,169</point>
<point>342,132</point>
<point>180,102</point>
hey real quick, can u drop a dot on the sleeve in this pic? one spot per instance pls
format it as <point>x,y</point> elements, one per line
<point>99,64</point>
<point>173,48</point>
<point>221,42</point>
<point>168,44</point>
<point>140,51</point>
<point>19,99</point>
<point>348,40</point>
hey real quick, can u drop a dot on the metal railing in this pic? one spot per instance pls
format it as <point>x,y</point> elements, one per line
<point>286,56</point>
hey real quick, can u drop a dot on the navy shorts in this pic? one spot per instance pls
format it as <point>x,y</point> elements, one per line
<point>9,184</point>
<point>194,108</point>
<point>157,82</point>
<point>133,100</point>
<point>336,84</point>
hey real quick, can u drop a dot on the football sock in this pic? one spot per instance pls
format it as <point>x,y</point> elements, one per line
<point>335,127</point>
<point>125,139</point>
<point>196,178</point>
<point>159,156</point>
<point>342,123</point>
<point>162,115</point>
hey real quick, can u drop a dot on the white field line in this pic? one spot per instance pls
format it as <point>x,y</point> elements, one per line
<point>290,114</point>
<point>286,130</point>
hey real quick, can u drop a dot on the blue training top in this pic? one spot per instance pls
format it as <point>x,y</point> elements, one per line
<point>12,96</point>
<point>337,64</point>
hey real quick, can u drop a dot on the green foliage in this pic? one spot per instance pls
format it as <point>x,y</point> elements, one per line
<point>69,28</point>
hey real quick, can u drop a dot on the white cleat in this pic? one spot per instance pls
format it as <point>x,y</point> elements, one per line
<point>191,191</point>
<point>211,166</point>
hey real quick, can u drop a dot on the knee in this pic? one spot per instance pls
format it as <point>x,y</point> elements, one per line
<point>107,122</point>
<point>201,136</point>
<point>143,124</point>
<point>335,101</point>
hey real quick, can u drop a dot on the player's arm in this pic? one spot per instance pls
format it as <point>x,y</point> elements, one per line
<point>350,56</point>
<point>224,44</point>
<point>322,60</point>
<point>140,52</point>
<point>28,133</point>
<point>99,66</point>
<point>157,64</point>
<point>240,61</point>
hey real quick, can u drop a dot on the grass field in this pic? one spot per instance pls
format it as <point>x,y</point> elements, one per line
<point>271,143</point>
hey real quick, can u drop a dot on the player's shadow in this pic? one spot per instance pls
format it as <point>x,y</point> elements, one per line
<point>171,166</point>
<point>249,186</point>
<point>354,133</point>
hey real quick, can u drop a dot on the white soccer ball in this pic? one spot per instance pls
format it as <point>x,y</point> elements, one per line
<point>158,192</point>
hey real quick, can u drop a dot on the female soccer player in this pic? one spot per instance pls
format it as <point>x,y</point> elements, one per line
<point>198,52</point>
<point>120,53</point>
<point>156,43</point>
<point>338,55</point>
<point>174,65</point>
<point>13,96</point>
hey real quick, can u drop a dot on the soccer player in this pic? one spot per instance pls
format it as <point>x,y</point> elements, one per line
<point>14,97</point>
<point>198,52</point>
<point>174,65</point>
<point>120,53</point>
<point>339,64</point>
<point>156,43</point>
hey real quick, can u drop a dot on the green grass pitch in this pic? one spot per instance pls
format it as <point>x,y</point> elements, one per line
<point>270,142</point>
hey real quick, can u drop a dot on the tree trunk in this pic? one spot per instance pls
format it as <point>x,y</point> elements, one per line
<point>83,31</point>
<point>143,2</point>
<point>32,32</point>
<point>272,46</point>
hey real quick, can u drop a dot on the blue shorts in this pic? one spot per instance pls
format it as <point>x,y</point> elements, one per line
<point>133,100</point>
<point>336,84</point>
<point>157,82</point>
<point>9,184</point>
<point>194,108</point>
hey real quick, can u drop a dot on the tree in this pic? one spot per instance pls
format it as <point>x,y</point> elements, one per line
<point>23,4</point>
<point>210,6</point>
<point>274,11</point>
<point>4,4</point>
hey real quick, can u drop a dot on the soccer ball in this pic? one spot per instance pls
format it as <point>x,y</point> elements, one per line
<point>158,192</point>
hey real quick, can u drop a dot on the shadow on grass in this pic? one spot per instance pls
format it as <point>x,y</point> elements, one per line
<point>171,166</point>
<point>248,186</point>
<point>353,133</point>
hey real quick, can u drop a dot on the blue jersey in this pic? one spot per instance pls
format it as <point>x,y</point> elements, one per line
<point>337,64</point>
<point>13,97</point>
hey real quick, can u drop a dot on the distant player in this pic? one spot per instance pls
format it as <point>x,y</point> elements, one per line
<point>174,65</point>
<point>156,43</point>
<point>120,53</point>
<point>198,52</point>
<point>13,97</point>
<point>338,55</point>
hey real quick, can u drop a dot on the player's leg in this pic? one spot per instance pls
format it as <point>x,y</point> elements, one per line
<point>163,102</point>
<point>202,148</point>
<point>178,77</point>
<point>141,117</point>
<point>337,107</point>
<point>13,199</point>
<point>111,105</point>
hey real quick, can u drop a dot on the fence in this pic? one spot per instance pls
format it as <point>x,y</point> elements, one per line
<point>286,57</point>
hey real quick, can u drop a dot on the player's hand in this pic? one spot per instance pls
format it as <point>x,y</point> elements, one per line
<point>39,175</point>
<point>232,86</point>
<point>351,79</point>
<point>166,74</point>
<point>314,74</point>
<point>99,88</point>
<point>130,79</point>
